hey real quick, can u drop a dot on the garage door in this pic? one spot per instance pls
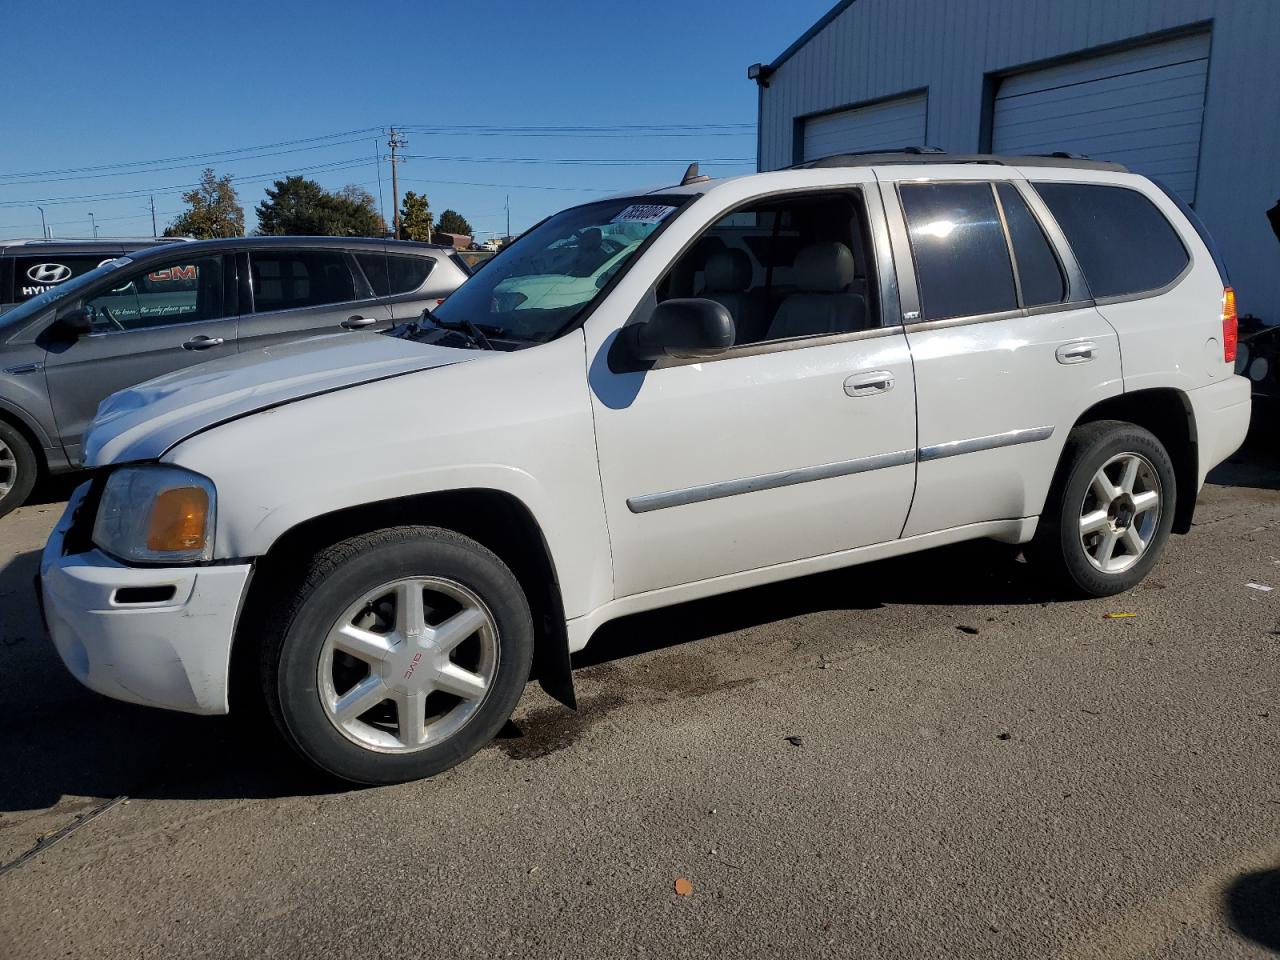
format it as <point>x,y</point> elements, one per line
<point>1140,107</point>
<point>886,125</point>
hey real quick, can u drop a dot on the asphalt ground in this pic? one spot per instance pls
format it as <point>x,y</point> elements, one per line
<point>926,757</point>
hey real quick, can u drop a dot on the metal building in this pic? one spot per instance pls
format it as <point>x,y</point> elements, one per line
<point>1187,91</point>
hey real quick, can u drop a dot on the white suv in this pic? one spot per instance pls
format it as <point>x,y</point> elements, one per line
<point>388,535</point>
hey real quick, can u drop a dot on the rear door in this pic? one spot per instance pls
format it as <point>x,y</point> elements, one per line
<point>1008,348</point>
<point>299,292</point>
<point>155,319</point>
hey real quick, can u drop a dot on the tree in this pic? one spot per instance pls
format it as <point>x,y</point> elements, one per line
<point>213,211</point>
<point>451,221</point>
<point>296,206</point>
<point>415,218</point>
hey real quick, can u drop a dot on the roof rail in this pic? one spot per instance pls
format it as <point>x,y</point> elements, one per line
<point>871,158</point>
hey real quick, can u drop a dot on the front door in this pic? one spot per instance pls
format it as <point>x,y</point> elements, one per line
<point>154,320</point>
<point>302,292</point>
<point>796,443</point>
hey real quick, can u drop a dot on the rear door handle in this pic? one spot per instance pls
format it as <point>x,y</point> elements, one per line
<point>1081,351</point>
<point>203,343</point>
<point>356,322</point>
<point>869,384</point>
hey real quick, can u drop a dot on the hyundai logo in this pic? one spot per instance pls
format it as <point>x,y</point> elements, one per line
<point>49,272</point>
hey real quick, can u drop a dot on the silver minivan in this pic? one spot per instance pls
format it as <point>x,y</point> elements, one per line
<point>152,311</point>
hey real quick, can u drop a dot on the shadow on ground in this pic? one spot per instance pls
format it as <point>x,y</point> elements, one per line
<point>1257,463</point>
<point>1252,905</point>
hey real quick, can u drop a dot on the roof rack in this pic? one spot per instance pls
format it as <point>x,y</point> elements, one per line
<point>871,158</point>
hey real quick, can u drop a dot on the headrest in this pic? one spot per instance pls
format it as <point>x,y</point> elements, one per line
<point>825,267</point>
<point>728,271</point>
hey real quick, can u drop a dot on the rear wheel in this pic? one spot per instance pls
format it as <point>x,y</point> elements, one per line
<point>403,652</point>
<point>1109,513</point>
<point>18,468</point>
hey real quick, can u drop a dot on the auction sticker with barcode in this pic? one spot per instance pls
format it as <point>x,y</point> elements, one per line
<point>643,213</point>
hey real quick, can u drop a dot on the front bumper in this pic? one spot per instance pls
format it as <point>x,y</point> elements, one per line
<point>173,652</point>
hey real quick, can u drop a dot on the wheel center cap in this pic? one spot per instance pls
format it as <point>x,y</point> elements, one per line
<point>1121,512</point>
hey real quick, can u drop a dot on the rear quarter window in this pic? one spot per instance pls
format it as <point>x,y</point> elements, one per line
<point>1123,242</point>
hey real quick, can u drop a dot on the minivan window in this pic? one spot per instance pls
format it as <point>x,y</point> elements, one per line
<point>962,260</point>
<point>1039,275</point>
<point>1123,242</point>
<point>179,291</point>
<point>289,279</point>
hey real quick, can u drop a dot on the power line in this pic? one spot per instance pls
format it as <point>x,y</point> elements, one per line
<point>604,162</point>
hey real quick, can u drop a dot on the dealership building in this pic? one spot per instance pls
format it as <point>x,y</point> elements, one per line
<point>1187,91</point>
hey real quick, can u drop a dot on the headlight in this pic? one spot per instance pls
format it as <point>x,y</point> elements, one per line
<point>156,514</point>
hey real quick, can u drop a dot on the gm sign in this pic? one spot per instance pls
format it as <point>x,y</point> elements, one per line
<point>49,272</point>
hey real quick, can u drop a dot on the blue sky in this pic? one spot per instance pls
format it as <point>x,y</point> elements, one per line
<point>312,83</point>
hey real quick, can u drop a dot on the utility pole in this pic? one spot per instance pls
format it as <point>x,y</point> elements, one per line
<point>153,216</point>
<point>507,238</point>
<point>396,142</point>
<point>94,226</point>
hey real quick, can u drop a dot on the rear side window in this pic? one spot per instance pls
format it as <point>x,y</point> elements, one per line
<point>1123,242</point>
<point>408,273</point>
<point>390,274</point>
<point>962,260</point>
<point>1039,274</point>
<point>286,280</point>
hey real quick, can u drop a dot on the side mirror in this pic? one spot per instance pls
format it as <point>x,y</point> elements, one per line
<point>688,328</point>
<point>76,321</point>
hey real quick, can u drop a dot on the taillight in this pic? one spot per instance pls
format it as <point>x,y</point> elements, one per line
<point>440,301</point>
<point>1230,325</point>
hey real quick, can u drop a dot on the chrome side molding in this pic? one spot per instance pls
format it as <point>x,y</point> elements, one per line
<point>956,447</point>
<point>768,481</point>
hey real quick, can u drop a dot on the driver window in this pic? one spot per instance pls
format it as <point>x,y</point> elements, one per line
<point>784,268</point>
<point>161,295</point>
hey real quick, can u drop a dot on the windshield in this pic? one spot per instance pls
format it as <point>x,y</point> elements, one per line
<point>38,304</point>
<point>542,281</point>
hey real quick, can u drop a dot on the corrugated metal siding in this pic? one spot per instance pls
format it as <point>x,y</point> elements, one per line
<point>879,126</point>
<point>960,49</point>
<point>1141,107</point>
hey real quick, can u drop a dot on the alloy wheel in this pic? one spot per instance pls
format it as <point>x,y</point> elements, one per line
<point>408,664</point>
<point>1120,513</point>
<point>8,468</point>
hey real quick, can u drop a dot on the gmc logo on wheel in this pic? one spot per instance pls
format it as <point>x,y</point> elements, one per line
<point>49,272</point>
<point>174,273</point>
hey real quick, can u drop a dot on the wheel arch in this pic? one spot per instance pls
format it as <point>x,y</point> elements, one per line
<point>31,432</point>
<point>1167,413</point>
<point>496,519</point>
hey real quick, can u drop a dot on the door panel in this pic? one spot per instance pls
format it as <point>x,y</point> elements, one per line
<point>301,293</point>
<point>714,468</point>
<point>996,392</point>
<point>139,337</point>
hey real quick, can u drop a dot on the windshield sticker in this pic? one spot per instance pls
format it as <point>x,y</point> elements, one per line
<point>643,213</point>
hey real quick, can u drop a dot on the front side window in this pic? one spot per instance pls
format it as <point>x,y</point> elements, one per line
<point>290,279</point>
<point>160,295</point>
<point>788,267</point>
<point>957,240</point>
<point>1123,242</point>
<point>539,284</point>
<point>1039,275</point>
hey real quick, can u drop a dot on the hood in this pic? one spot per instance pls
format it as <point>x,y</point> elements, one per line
<point>141,423</point>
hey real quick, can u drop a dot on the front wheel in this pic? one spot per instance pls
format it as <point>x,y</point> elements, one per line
<point>17,469</point>
<point>1110,510</point>
<point>402,653</point>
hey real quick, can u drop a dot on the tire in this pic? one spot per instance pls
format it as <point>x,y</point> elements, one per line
<point>18,468</point>
<point>347,632</point>
<point>1080,561</point>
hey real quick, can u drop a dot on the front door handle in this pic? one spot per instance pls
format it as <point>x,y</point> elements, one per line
<point>203,343</point>
<point>1081,351</point>
<point>869,384</point>
<point>356,322</point>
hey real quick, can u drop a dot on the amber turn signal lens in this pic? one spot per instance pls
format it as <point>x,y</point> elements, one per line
<point>178,519</point>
